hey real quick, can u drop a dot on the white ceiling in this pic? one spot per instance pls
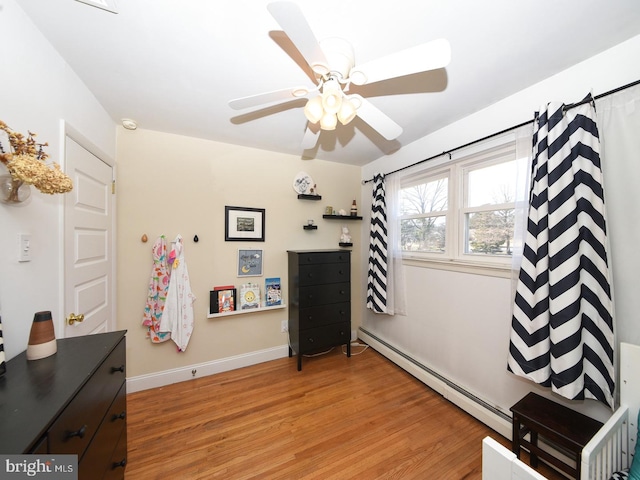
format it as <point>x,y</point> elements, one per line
<point>172,66</point>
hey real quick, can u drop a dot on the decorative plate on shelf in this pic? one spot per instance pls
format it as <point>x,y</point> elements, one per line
<point>303,183</point>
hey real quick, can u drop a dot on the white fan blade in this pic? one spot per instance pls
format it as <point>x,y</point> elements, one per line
<point>270,97</point>
<point>378,120</point>
<point>310,138</point>
<point>421,58</point>
<point>292,20</point>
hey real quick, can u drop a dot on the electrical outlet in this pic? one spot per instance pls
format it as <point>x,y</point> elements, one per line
<point>284,326</point>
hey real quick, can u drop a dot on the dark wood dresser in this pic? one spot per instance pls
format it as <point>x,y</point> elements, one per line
<point>73,402</point>
<point>319,301</point>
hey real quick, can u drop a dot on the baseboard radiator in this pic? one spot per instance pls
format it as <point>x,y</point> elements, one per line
<point>475,406</point>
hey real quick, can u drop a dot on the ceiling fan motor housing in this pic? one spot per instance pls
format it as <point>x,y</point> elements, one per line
<point>340,57</point>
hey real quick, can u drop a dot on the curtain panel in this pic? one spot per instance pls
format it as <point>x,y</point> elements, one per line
<point>562,325</point>
<point>385,280</point>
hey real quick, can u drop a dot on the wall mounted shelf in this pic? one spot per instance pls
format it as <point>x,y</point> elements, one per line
<point>342,217</point>
<point>345,244</point>
<point>250,310</point>
<point>304,196</point>
<point>310,227</point>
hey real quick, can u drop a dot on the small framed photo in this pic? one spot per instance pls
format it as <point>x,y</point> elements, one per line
<point>249,263</point>
<point>243,224</point>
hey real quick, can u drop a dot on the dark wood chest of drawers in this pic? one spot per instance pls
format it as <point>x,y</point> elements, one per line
<point>73,402</point>
<point>319,301</point>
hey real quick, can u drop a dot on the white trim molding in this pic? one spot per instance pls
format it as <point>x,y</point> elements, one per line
<point>189,372</point>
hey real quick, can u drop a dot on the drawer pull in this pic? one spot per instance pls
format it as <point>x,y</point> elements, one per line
<point>122,416</point>
<point>311,340</point>
<point>117,369</point>
<point>122,463</point>
<point>78,433</point>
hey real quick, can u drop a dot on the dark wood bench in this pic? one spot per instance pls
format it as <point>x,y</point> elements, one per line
<point>563,427</point>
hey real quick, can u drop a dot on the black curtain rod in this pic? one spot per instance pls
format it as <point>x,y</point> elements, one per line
<point>507,130</point>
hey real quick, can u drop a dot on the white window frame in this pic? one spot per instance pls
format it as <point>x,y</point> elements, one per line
<point>426,177</point>
<point>456,169</point>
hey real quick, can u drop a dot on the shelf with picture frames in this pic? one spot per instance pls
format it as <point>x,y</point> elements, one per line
<point>248,310</point>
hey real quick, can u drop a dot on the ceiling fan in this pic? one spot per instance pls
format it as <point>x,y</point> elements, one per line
<point>333,63</point>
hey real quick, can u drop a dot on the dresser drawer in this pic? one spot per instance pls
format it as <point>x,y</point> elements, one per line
<point>75,427</point>
<point>324,294</point>
<point>309,258</point>
<point>118,459</point>
<point>98,458</point>
<point>319,274</point>
<point>318,338</point>
<point>325,314</point>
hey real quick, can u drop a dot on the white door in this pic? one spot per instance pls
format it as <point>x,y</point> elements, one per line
<point>88,240</point>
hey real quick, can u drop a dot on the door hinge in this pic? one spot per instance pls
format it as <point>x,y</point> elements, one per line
<point>113,187</point>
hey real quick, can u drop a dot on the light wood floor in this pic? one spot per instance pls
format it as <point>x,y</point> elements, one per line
<point>339,418</point>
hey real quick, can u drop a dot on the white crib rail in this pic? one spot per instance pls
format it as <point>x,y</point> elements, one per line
<point>607,452</point>
<point>500,463</point>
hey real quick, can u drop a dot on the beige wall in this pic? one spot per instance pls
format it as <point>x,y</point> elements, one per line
<point>170,184</point>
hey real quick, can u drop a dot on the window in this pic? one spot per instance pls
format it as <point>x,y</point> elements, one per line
<point>489,208</point>
<point>423,210</point>
<point>462,211</point>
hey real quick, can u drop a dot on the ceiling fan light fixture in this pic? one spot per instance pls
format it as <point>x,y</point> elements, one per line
<point>332,96</point>
<point>347,111</point>
<point>313,110</point>
<point>329,121</point>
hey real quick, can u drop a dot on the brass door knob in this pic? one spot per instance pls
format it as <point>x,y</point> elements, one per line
<point>73,318</point>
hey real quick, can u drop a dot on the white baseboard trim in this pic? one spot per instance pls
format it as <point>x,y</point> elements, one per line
<point>167,377</point>
<point>465,402</point>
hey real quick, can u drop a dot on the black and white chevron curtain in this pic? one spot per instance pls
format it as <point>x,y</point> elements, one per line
<point>378,250</point>
<point>562,325</point>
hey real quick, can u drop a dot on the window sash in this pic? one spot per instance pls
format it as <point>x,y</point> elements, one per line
<point>455,233</point>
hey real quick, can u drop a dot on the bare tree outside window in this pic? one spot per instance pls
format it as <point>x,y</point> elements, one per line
<point>421,229</point>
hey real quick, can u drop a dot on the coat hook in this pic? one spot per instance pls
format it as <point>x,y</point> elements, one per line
<point>195,238</point>
<point>144,238</point>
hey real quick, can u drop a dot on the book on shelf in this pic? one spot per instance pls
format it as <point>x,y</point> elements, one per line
<point>249,296</point>
<point>273,292</point>
<point>222,299</point>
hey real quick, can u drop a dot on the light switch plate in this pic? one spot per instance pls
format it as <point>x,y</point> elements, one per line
<point>24,245</point>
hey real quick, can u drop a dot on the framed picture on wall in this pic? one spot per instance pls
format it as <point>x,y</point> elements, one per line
<point>242,224</point>
<point>249,263</point>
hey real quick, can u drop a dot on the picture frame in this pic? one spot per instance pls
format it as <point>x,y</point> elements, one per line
<point>243,224</point>
<point>249,262</point>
